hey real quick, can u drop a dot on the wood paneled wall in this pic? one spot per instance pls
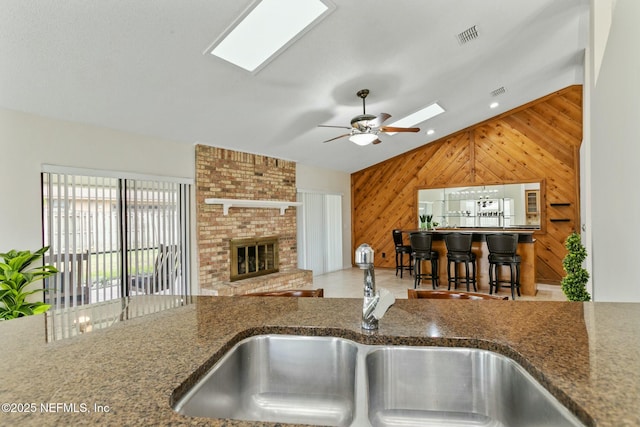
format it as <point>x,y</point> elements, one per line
<point>539,141</point>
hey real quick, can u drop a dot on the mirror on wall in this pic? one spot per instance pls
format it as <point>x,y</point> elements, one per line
<point>493,206</point>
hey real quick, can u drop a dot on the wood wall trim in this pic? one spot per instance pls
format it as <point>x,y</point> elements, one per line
<point>539,141</point>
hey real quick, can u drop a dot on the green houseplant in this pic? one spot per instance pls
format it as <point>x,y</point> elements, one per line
<point>425,221</point>
<point>574,284</point>
<point>17,272</point>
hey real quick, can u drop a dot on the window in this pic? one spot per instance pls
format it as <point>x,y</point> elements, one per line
<point>114,237</point>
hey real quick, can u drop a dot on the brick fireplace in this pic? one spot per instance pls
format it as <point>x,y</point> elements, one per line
<point>253,257</point>
<point>228,174</point>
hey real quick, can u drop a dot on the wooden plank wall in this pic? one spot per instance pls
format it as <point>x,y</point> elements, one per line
<point>539,141</point>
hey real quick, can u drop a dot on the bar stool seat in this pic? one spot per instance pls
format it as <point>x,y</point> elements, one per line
<point>401,250</point>
<point>459,252</point>
<point>421,251</point>
<point>502,251</point>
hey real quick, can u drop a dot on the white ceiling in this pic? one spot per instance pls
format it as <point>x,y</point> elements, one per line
<point>139,66</point>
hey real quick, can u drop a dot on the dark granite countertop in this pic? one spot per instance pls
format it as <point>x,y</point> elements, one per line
<point>480,233</point>
<point>586,354</point>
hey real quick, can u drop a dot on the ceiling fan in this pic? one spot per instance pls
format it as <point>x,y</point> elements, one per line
<point>365,127</point>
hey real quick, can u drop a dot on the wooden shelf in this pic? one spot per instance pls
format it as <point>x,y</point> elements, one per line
<point>262,204</point>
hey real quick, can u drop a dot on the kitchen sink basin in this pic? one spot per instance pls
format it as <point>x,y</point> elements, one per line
<point>336,382</point>
<point>278,378</point>
<point>439,386</point>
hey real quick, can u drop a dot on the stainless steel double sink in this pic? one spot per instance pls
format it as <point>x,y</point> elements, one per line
<point>337,382</point>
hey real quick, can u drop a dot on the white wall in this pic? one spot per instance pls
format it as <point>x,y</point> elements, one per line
<point>331,181</point>
<point>28,141</point>
<point>602,10</point>
<point>615,156</point>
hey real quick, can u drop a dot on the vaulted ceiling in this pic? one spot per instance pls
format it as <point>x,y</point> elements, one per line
<point>140,66</point>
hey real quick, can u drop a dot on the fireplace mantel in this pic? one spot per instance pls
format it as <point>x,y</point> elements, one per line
<point>240,203</point>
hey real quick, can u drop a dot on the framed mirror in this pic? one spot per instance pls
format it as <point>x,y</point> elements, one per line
<point>483,206</point>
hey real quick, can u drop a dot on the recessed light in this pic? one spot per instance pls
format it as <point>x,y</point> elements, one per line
<point>266,29</point>
<point>494,105</point>
<point>420,116</point>
<point>431,132</point>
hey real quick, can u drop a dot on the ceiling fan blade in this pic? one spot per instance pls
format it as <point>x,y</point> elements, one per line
<point>331,126</point>
<point>380,118</point>
<point>337,137</point>
<point>377,141</point>
<point>393,129</point>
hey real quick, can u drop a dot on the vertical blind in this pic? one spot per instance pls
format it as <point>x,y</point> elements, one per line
<point>320,232</point>
<point>112,238</point>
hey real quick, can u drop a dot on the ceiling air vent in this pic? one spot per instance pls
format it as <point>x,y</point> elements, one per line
<point>468,35</point>
<point>498,91</point>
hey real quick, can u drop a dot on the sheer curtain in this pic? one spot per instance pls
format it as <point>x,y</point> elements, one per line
<point>320,232</point>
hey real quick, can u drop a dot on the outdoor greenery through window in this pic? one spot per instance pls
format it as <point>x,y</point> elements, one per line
<point>112,238</point>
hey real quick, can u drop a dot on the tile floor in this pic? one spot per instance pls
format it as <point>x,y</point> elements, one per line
<point>348,283</point>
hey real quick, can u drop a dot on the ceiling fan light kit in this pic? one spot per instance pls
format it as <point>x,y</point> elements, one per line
<point>365,128</point>
<point>363,138</point>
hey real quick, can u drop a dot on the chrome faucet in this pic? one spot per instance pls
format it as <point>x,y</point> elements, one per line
<point>375,304</point>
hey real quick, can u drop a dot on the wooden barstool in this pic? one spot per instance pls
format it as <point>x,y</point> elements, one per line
<point>421,251</point>
<point>459,252</point>
<point>401,250</point>
<point>502,251</point>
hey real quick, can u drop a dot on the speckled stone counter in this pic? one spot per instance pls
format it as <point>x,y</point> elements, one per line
<point>587,355</point>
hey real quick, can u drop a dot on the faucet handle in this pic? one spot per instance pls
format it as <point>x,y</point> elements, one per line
<point>386,300</point>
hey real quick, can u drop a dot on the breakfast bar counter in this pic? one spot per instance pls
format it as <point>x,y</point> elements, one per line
<point>526,250</point>
<point>130,373</point>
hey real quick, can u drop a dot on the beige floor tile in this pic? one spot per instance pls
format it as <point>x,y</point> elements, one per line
<point>348,283</point>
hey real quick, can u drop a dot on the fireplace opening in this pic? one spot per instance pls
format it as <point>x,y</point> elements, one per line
<point>253,257</point>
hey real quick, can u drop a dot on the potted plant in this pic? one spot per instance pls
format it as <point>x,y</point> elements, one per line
<point>429,218</point>
<point>17,272</point>
<point>574,284</point>
<point>425,222</point>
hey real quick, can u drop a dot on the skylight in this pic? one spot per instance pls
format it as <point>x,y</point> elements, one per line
<point>420,116</point>
<point>267,30</point>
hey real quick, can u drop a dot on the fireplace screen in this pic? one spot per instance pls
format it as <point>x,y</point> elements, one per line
<point>253,257</point>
